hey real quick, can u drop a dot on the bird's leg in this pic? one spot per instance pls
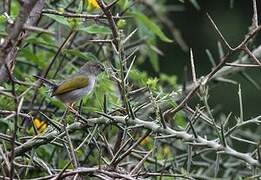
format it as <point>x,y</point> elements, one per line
<point>70,107</point>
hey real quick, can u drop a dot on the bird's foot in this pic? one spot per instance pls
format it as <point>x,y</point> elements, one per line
<point>74,111</point>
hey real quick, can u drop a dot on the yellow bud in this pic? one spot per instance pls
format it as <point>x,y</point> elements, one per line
<point>60,10</point>
<point>92,4</point>
<point>121,23</point>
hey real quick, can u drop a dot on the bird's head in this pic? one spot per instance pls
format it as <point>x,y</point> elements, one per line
<point>92,68</point>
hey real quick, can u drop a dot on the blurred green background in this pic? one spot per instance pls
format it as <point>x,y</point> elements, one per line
<point>200,35</point>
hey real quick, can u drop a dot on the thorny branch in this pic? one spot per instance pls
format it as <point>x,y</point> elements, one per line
<point>29,14</point>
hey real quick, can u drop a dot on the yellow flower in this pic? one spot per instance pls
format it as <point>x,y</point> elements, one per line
<point>40,125</point>
<point>93,4</point>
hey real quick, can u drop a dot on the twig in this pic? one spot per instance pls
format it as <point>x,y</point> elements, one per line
<point>194,75</point>
<point>69,142</point>
<point>127,152</point>
<point>219,33</point>
<point>17,107</point>
<point>29,14</point>
<point>78,15</point>
<point>111,21</point>
<point>240,104</point>
<point>245,48</point>
<point>156,128</point>
<point>243,65</point>
<point>139,165</point>
<point>37,29</point>
<point>255,15</point>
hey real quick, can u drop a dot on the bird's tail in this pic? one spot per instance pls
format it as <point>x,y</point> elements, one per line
<point>46,81</point>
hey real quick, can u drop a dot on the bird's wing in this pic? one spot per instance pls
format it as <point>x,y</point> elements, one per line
<point>69,85</point>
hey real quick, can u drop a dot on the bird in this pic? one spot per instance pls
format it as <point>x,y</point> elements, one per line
<point>76,86</point>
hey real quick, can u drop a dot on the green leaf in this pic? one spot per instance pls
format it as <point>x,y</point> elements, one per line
<point>59,19</point>
<point>43,40</point>
<point>74,22</point>
<point>180,120</point>
<point>4,125</point>
<point>105,85</point>
<point>15,8</point>
<point>123,4</point>
<point>172,80</point>
<point>153,83</point>
<point>140,78</point>
<point>80,7</point>
<point>154,60</point>
<point>151,26</point>
<point>30,56</point>
<point>2,19</point>
<point>83,55</point>
<point>5,102</point>
<point>96,29</point>
<point>121,23</point>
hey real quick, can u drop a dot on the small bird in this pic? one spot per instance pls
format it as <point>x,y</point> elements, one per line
<point>77,85</point>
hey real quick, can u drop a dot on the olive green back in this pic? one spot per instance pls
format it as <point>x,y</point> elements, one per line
<point>69,85</point>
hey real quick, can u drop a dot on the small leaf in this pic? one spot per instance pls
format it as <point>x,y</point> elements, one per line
<point>41,41</point>
<point>140,78</point>
<point>30,56</point>
<point>15,8</point>
<point>153,83</point>
<point>154,60</point>
<point>96,29</point>
<point>123,4</point>
<point>172,80</point>
<point>74,22</point>
<point>121,23</point>
<point>151,26</point>
<point>59,19</point>
<point>2,19</point>
<point>180,120</point>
